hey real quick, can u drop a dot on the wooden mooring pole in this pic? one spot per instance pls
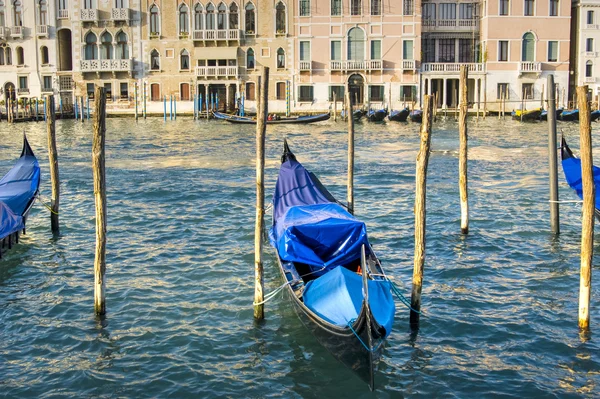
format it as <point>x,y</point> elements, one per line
<point>552,154</point>
<point>334,107</point>
<point>420,197</point>
<point>462,157</point>
<point>98,170</point>
<point>53,161</point>
<point>261,127</point>
<point>589,197</point>
<point>350,155</point>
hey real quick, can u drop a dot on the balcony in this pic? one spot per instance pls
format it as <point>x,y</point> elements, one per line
<point>41,30</point>
<point>454,25</point>
<point>47,90</point>
<point>4,32</point>
<point>589,79</point>
<point>16,32</point>
<point>89,15</point>
<point>105,66</point>
<point>451,67</point>
<point>63,14</point>
<point>216,71</point>
<point>120,14</point>
<point>217,34</point>
<point>305,66</point>
<point>22,91</point>
<point>408,65</point>
<point>352,65</point>
<point>530,67</point>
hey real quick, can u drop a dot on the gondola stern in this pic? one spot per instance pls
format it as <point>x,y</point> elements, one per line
<point>27,151</point>
<point>288,155</point>
<point>565,150</point>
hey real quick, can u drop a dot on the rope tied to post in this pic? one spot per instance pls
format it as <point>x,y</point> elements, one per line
<point>39,196</point>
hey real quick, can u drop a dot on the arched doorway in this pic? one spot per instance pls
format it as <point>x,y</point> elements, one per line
<point>356,88</point>
<point>9,90</point>
<point>65,58</point>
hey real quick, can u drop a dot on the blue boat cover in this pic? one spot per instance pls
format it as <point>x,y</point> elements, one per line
<point>338,296</point>
<point>20,184</point>
<point>9,222</point>
<point>572,168</point>
<point>308,227</point>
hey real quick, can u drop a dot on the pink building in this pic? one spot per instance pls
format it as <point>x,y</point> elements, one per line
<point>370,48</point>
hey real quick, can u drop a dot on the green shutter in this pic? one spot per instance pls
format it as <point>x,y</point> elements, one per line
<point>528,48</point>
<point>407,49</point>
<point>376,49</point>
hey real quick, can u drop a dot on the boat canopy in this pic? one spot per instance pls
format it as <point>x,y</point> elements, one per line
<point>308,227</point>
<point>19,185</point>
<point>9,222</point>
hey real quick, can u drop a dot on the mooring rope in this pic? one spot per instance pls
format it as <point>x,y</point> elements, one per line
<point>272,294</point>
<point>360,340</point>
<point>402,298</point>
<point>46,205</point>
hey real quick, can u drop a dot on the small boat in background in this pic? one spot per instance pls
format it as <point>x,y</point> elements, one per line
<point>416,115</point>
<point>399,116</point>
<point>544,114</point>
<point>570,115</point>
<point>531,115</point>
<point>297,119</point>
<point>594,115</point>
<point>376,115</point>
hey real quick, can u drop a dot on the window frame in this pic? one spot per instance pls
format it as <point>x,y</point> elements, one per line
<point>309,98</point>
<point>506,56</point>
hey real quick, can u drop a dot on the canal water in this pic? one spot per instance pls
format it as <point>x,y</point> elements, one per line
<point>500,304</point>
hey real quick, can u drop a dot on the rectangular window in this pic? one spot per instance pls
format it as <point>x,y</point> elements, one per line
<point>124,90</point>
<point>428,10</point>
<point>529,7</point>
<point>503,50</point>
<point>465,50</point>
<point>355,7</point>
<point>527,91</point>
<point>408,8</point>
<point>304,8</point>
<point>304,51</point>
<point>589,44</point>
<point>376,93</point>
<point>336,7</point>
<point>447,10</point>
<point>336,50</point>
<point>447,50</point>
<point>280,90</point>
<point>407,50</point>
<point>502,91</point>
<point>465,10</point>
<point>22,82</point>
<point>408,93</point>
<point>375,49</point>
<point>428,50</point>
<point>552,51</point>
<point>375,7</point>
<point>588,69</point>
<point>90,87</point>
<point>339,93</point>
<point>504,7</point>
<point>590,17</point>
<point>47,83</point>
<point>305,93</point>
<point>553,8</point>
<point>108,91</point>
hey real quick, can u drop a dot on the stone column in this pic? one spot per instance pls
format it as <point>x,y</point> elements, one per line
<point>444,94</point>
<point>227,96</point>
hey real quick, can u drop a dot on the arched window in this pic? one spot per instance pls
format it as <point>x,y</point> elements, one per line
<point>184,60</point>
<point>233,16</point>
<point>154,60</point>
<point>184,25</point>
<point>250,19</point>
<point>91,47</point>
<point>280,58</point>
<point>122,46</point>
<point>18,13</point>
<point>356,44</point>
<point>20,56</point>
<point>221,16</point>
<point>8,55</point>
<point>2,14</point>
<point>2,49</point>
<point>588,69</point>
<point>528,49</point>
<point>210,17</point>
<point>44,55</point>
<point>280,18</point>
<point>106,46</point>
<point>198,17</point>
<point>250,59</point>
<point>43,12</point>
<point>154,20</point>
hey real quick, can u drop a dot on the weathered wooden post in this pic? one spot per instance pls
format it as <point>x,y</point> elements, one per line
<point>334,107</point>
<point>462,157</point>
<point>554,215</point>
<point>420,197</point>
<point>261,127</point>
<point>589,199</point>
<point>136,101</point>
<point>53,160</point>
<point>82,109</point>
<point>350,195</point>
<point>165,108</point>
<point>100,199</point>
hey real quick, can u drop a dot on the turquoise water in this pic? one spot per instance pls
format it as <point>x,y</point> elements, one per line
<point>500,303</point>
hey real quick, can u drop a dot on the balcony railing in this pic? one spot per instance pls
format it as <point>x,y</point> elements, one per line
<point>217,34</point>
<point>41,30</point>
<point>47,90</point>
<point>305,65</point>
<point>23,91</point>
<point>451,24</point>
<point>120,14</point>
<point>105,65</point>
<point>530,67</point>
<point>454,67</point>
<point>408,65</point>
<point>216,71</point>
<point>63,14</point>
<point>89,15</point>
<point>589,79</point>
<point>16,32</point>
<point>351,65</point>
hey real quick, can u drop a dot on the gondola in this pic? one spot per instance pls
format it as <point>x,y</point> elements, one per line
<point>18,190</point>
<point>356,114</point>
<point>531,115</point>
<point>376,115</point>
<point>594,115</point>
<point>335,281</point>
<point>570,115</point>
<point>544,114</point>
<point>571,166</point>
<point>416,115</point>
<point>399,116</point>
<point>298,119</point>
<point>222,116</point>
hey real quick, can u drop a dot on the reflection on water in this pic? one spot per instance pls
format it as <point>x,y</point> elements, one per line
<point>500,303</point>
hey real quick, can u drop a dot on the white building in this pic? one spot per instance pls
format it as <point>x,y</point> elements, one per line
<point>585,51</point>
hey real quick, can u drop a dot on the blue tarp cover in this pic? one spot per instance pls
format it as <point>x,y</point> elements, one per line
<point>572,168</point>
<point>337,297</point>
<point>9,222</point>
<point>310,229</point>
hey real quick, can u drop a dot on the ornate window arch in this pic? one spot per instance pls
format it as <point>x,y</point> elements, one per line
<point>280,18</point>
<point>183,19</point>
<point>250,62</point>
<point>234,16</point>
<point>198,17</point>
<point>280,58</point>
<point>250,17</point>
<point>222,16</point>
<point>42,12</point>
<point>154,60</point>
<point>91,46</point>
<point>154,20</point>
<point>44,55</point>
<point>184,60</point>
<point>122,52</point>
<point>106,46</point>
